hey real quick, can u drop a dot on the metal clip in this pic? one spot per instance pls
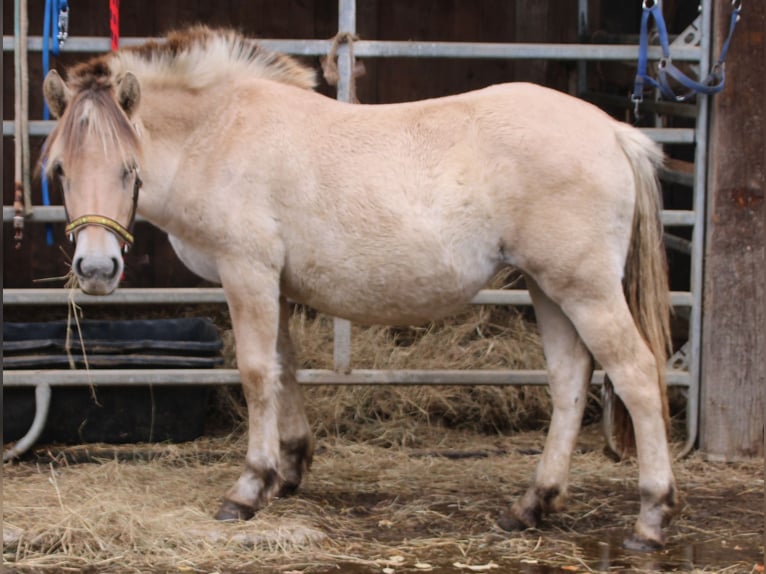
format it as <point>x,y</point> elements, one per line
<point>637,101</point>
<point>63,31</point>
<point>18,215</point>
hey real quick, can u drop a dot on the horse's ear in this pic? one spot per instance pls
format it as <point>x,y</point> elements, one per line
<point>129,93</point>
<point>56,93</point>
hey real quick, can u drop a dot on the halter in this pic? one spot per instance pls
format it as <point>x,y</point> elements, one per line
<point>123,233</point>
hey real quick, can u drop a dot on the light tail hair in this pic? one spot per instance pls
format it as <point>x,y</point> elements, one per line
<point>645,282</point>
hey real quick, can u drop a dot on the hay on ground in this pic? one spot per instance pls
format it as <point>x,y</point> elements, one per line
<point>363,508</point>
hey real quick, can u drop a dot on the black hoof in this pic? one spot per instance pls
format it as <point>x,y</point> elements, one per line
<point>641,544</point>
<point>510,522</point>
<point>231,510</point>
<point>287,489</point>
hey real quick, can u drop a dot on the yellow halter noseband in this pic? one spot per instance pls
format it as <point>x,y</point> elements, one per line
<point>103,221</point>
<point>123,233</point>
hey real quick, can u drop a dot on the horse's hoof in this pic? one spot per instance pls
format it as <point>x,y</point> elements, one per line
<point>231,510</point>
<point>509,522</point>
<point>287,489</point>
<point>642,544</point>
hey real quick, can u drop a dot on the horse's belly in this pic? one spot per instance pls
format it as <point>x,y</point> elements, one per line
<point>400,291</point>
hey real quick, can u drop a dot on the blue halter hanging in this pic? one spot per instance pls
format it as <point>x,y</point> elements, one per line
<point>712,84</point>
<point>57,14</point>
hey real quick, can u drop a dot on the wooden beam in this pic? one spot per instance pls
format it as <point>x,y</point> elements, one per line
<point>734,312</point>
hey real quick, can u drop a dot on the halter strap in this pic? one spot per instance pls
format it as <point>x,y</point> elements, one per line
<point>102,221</point>
<point>123,233</point>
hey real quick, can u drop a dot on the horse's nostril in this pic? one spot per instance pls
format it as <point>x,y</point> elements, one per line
<point>115,267</point>
<point>78,267</point>
<point>102,268</point>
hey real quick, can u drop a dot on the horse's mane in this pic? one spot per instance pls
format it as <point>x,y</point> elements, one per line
<point>193,58</point>
<point>196,58</point>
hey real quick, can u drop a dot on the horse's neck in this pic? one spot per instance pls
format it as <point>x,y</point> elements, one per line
<point>168,121</point>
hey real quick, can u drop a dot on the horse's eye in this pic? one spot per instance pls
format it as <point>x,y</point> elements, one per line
<point>127,173</point>
<point>57,170</point>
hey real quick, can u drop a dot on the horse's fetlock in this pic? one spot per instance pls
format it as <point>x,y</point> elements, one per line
<point>299,449</point>
<point>550,497</point>
<point>664,499</point>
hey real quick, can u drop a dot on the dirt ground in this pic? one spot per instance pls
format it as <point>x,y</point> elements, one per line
<point>429,507</point>
<point>404,480</point>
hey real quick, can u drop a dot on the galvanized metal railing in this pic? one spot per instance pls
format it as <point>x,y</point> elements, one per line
<point>343,373</point>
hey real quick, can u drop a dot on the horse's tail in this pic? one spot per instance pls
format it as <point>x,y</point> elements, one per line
<point>645,281</point>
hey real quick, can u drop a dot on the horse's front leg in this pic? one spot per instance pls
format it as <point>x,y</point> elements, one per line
<point>253,300</point>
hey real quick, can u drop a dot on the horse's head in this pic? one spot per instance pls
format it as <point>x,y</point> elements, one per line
<point>93,155</point>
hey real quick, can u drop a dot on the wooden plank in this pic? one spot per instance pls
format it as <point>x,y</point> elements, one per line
<point>734,340</point>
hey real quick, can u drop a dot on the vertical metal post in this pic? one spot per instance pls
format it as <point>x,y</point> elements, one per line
<point>698,233</point>
<point>346,25</point>
<point>582,29</point>
<point>21,101</point>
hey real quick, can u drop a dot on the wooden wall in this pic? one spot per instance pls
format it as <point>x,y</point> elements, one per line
<point>734,336</point>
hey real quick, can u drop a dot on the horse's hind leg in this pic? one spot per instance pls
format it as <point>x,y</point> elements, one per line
<point>296,443</point>
<point>569,371</point>
<point>602,318</point>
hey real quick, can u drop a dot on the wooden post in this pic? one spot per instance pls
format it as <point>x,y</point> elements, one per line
<point>734,311</point>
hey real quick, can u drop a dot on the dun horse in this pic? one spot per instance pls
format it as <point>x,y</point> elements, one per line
<point>392,214</point>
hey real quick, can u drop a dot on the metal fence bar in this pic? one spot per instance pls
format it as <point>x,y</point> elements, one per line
<point>215,295</point>
<point>660,135</point>
<point>177,377</point>
<point>346,26</point>
<point>582,30</point>
<point>42,406</point>
<point>698,236</point>
<point>398,49</point>
<point>56,214</point>
<point>342,373</point>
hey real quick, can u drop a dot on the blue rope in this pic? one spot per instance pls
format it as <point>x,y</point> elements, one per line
<point>712,84</point>
<point>56,13</point>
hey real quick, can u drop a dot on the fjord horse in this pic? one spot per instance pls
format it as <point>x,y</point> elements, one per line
<point>393,214</point>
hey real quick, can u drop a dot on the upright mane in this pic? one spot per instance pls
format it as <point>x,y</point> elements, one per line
<point>194,58</point>
<point>200,57</point>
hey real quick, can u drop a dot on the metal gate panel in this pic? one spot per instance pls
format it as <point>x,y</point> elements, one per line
<point>343,373</point>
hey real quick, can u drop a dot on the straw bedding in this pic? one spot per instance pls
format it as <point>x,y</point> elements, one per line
<point>363,508</point>
<point>406,479</point>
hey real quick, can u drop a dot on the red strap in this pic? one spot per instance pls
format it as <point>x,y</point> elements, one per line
<point>114,22</point>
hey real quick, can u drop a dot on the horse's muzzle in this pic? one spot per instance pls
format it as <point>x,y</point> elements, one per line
<point>97,275</point>
<point>97,261</point>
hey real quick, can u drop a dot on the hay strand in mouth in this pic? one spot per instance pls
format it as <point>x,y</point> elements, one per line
<point>74,314</point>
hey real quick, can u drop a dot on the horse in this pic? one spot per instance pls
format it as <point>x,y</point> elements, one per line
<point>390,214</point>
